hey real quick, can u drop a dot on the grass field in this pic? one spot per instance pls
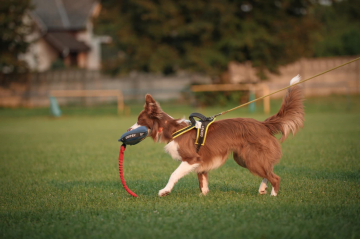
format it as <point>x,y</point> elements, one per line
<point>59,179</point>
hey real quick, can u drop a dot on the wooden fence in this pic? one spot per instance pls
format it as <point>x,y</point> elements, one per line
<point>345,80</point>
<point>33,90</point>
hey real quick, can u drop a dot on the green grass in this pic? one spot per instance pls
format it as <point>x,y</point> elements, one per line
<point>59,179</point>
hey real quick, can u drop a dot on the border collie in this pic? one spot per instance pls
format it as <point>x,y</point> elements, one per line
<point>252,142</point>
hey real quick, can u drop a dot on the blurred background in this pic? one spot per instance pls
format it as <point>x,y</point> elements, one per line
<point>91,54</point>
<point>91,62</point>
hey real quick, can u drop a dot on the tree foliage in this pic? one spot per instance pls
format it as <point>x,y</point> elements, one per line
<point>340,31</point>
<point>13,32</point>
<point>204,35</point>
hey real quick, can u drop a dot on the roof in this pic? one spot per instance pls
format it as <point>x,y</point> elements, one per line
<point>65,43</point>
<point>63,14</point>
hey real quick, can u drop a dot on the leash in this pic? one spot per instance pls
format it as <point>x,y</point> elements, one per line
<point>121,158</point>
<point>322,73</point>
<point>205,122</point>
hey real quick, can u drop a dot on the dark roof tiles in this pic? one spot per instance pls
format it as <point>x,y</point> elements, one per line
<point>63,14</point>
<point>65,43</point>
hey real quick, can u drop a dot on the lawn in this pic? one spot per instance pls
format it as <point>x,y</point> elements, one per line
<point>59,179</point>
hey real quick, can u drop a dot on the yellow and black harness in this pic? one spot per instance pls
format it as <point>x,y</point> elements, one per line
<point>202,127</point>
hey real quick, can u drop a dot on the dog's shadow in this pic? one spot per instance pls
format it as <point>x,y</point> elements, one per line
<point>146,187</point>
<point>83,184</point>
<point>231,188</point>
<point>140,187</point>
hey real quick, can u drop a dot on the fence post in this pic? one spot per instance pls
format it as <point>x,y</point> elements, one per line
<point>266,91</point>
<point>302,71</point>
<point>358,77</point>
<point>120,102</point>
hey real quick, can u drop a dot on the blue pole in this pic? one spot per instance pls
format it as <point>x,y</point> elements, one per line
<point>252,106</point>
<point>54,107</point>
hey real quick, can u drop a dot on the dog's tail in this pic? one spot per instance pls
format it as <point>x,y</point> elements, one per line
<point>291,114</point>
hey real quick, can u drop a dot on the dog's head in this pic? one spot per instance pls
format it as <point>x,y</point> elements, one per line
<point>150,117</point>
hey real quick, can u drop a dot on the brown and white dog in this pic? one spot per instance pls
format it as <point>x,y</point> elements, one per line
<point>252,142</point>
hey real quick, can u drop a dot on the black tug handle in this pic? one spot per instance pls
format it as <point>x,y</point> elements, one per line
<point>197,115</point>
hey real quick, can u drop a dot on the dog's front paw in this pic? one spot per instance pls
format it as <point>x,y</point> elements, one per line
<point>262,191</point>
<point>164,192</point>
<point>263,186</point>
<point>204,192</point>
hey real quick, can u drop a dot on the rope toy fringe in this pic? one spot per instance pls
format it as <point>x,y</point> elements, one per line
<point>121,159</point>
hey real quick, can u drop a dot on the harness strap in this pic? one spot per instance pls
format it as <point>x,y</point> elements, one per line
<point>182,131</point>
<point>201,131</point>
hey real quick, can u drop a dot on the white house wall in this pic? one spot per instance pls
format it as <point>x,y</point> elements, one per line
<point>94,55</point>
<point>40,55</point>
<point>46,55</point>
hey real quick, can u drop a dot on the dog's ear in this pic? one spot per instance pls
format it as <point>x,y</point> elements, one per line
<point>149,99</point>
<point>152,108</point>
<point>155,131</point>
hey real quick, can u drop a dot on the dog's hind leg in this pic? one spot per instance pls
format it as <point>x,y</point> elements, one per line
<point>183,169</point>
<point>239,160</point>
<point>263,186</point>
<point>275,182</point>
<point>268,176</point>
<point>265,171</point>
<point>203,183</point>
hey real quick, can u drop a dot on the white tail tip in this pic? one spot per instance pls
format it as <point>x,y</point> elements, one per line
<point>295,80</point>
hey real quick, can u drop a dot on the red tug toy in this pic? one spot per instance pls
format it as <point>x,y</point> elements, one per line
<point>131,137</point>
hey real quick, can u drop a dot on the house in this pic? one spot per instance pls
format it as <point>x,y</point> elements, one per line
<point>62,35</point>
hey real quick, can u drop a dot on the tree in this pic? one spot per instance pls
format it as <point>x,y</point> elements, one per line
<point>340,31</point>
<point>205,35</point>
<point>13,32</point>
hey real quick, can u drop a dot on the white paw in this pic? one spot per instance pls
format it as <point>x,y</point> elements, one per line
<point>273,193</point>
<point>295,80</point>
<point>164,192</point>
<point>204,191</point>
<point>263,186</point>
<point>263,191</point>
